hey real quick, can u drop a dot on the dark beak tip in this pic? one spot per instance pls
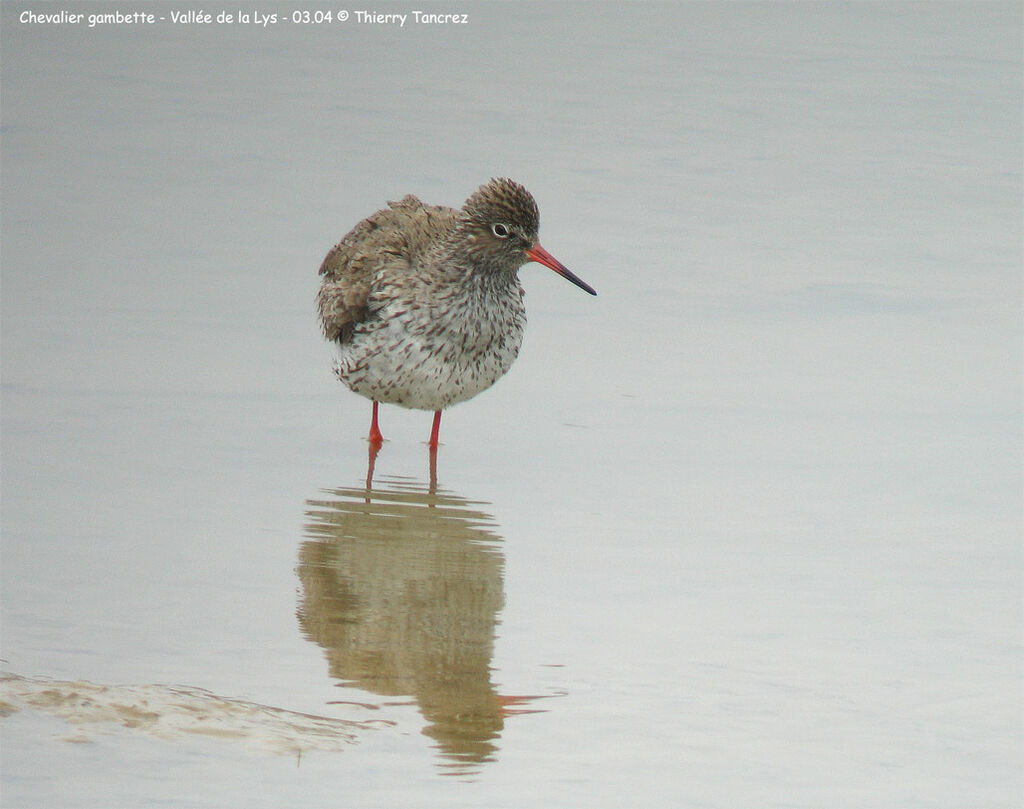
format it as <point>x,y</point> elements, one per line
<point>542,256</point>
<point>582,285</point>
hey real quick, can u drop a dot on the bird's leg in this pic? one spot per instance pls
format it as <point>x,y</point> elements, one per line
<point>371,459</point>
<point>435,430</point>
<point>375,437</point>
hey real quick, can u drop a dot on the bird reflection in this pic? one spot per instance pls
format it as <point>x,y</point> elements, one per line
<point>401,586</point>
<point>371,462</point>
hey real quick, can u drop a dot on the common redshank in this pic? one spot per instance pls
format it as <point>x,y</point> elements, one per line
<point>424,301</point>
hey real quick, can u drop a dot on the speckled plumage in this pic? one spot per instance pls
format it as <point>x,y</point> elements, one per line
<point>424,302</point>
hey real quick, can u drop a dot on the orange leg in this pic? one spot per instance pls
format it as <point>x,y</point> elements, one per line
<point>375,437</point>
<point>435,430</point>
<point>371,459</point>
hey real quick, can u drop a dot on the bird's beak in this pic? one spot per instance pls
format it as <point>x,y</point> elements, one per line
<point>542,256</point>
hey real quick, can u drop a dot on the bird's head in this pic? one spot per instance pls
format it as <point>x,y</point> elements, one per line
<point>500,222</point>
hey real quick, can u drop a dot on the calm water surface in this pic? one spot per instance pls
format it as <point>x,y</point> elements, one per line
<point>744,530</point>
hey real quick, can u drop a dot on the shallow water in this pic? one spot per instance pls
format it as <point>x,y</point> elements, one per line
<point>745,529</point>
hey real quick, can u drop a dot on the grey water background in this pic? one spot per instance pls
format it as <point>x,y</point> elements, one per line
<point>744,530</point>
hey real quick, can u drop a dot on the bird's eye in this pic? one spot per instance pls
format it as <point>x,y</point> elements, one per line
<point>500,230</point>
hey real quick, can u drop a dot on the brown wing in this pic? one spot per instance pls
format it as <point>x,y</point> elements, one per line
<point>392,240</point>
